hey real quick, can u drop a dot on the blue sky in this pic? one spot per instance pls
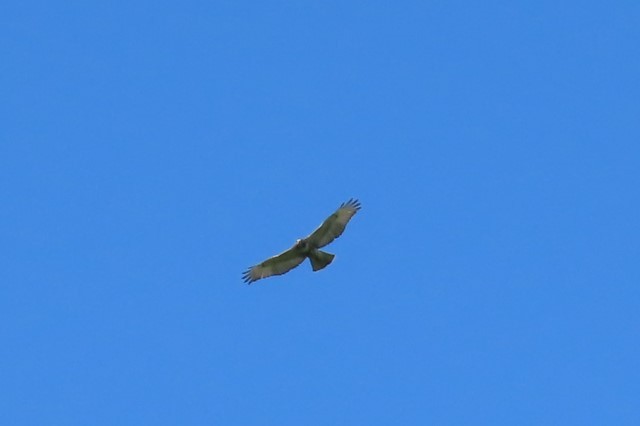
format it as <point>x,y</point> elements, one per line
<point>151,151</point>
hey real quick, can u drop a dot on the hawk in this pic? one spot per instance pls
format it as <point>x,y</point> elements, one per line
<point>330,229</point>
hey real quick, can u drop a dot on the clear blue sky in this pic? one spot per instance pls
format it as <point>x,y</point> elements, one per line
<point>151,151</point>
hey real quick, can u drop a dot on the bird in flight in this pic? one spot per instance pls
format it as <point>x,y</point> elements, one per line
<point>328,231</point>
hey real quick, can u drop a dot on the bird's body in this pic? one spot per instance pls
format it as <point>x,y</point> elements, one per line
<point>329,230</point>
<point>319,259</point>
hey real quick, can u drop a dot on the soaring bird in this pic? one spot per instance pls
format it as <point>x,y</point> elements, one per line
<point>328,231</point>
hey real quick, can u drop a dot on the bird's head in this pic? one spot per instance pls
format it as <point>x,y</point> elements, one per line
<point>301,244</point>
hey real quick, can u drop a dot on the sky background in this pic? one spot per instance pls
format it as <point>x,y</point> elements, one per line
<point>151,151</point>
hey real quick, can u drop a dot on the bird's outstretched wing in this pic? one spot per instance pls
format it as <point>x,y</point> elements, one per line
<point>276,265</point>
<point>334,226</point>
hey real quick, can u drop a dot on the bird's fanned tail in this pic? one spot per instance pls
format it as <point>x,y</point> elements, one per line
<point>320,259</point>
